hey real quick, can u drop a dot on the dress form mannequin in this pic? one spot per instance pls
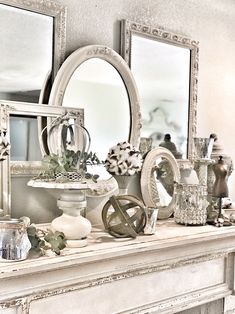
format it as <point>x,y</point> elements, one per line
<point>217,151</point>
<point>220,188</point>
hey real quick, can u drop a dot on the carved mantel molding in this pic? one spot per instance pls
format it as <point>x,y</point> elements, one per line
<point>179,267</point>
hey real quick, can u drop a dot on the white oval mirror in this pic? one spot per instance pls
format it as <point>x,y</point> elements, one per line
<point>97,79</point>
<point>97,87</point>
<point>159,173</point>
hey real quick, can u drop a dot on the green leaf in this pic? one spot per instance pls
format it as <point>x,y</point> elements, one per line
<point>39,238</point>
<point>31,230</point>
<point>59,234</point>
<point>56,240</point>
<point>88,176</point>
<point>66,162</point>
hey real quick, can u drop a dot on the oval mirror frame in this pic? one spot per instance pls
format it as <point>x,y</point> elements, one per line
<point>146,176</point>
<point>105,53</point>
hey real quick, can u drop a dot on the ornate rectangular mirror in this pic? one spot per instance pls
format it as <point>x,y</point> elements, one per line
<point>165,67</point>
<point>10,169</point>
<point>32,47</point>
<point>32,50</point>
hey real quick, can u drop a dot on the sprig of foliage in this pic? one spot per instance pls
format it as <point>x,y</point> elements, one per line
<point>37,243</point>
<point>56,240</point>
<point>69,161</point>
<point>44,240</point>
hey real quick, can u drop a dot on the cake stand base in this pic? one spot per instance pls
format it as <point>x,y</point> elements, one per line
<point>74,226</point>
<point>72,202</point>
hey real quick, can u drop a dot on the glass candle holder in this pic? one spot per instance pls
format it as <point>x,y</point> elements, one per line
<point>191,204</point>
<point>151,214</point>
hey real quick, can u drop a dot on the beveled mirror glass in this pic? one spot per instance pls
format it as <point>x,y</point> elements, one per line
<point>98,80</point>
<point>165,67</point>
<point>159,173</point>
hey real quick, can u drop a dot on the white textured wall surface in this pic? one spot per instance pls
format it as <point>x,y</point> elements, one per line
<point>211,22</point>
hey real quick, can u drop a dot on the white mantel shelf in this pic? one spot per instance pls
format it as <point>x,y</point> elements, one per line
<point>179,267</point>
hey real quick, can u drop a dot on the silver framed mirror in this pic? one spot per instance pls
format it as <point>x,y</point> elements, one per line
<point>97,79</point>
<point>159,173</point>
<point>10,169</point>
<point>29,66</point>
<point>32,48</point>
<point>165,67</point>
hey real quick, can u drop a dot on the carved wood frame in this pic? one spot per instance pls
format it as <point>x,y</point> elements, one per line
<point>180,302</point>
<point>20,168</point>
<point>128,28</point>
<point>109,55</point>
<point>146,183</point>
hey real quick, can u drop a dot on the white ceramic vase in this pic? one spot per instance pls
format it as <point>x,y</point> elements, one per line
<point>123,182</point>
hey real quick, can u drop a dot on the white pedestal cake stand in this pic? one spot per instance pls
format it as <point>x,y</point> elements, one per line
<point>72,201</point>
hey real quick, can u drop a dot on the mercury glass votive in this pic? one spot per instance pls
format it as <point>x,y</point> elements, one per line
<point>191,204</point>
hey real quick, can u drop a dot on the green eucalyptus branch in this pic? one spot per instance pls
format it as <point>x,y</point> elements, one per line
<point>69,161</point>
<point>42,240</point>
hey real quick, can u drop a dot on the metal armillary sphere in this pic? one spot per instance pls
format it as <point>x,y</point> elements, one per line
<point>124,216</point>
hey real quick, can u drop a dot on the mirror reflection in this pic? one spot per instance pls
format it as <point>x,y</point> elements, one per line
<point>162,73</point>
<point>97,87</point>
<point>24,139</point>
<point>167,143</point>
<point>162,181</point>
<point>26,53</point>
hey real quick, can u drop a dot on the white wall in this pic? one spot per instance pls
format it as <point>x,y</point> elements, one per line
<point>211,22</point>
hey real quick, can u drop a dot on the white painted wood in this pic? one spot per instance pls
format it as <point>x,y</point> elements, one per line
<point>118,299</point>
<point>13,310</point>
<point>215,307</point>
<point>176,269</point>
<point>229,304</point>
